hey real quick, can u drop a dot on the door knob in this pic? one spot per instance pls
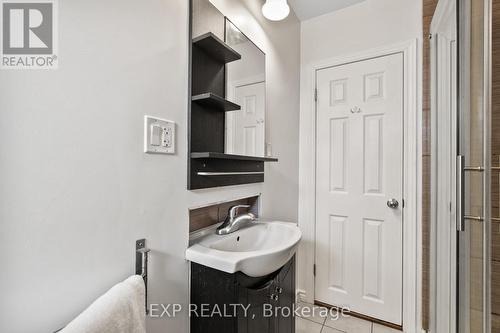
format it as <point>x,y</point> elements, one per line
<point>393,203</point>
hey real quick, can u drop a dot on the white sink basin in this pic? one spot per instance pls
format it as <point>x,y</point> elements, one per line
<point>256,250</point>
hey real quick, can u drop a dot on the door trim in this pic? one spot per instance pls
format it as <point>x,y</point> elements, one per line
<point>362,316</point>
<point>412,127</point>
<point>443,282</point>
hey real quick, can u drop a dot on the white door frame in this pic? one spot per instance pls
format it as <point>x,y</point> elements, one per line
<point>412,229</point>
<point>443,268</point>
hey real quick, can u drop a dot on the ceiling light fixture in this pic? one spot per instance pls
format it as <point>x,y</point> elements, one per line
<point>275,10</point>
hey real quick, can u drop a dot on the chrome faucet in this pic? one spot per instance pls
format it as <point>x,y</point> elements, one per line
<point>233,221</point>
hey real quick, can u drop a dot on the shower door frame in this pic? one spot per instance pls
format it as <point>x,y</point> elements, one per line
<point>452,260</point>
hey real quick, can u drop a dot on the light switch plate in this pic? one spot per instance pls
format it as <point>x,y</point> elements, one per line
<point>159,135</point>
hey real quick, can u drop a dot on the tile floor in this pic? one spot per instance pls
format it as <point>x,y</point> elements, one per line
<point>316,320</point>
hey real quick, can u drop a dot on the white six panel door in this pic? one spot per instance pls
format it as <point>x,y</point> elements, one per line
<point>359,168</point>
<point>249,122</point>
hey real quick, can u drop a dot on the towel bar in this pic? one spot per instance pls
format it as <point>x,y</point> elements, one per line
<point>230,173</point>
<point>141,266</point>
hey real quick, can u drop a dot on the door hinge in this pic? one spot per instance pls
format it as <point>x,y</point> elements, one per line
<point>315,95</point>
<point>403,203</point>
<point>314,269</point>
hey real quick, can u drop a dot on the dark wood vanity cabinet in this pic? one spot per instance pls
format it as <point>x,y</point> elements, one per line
<point>270,298</point>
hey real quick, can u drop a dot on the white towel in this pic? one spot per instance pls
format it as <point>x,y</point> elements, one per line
<point>120,310</point>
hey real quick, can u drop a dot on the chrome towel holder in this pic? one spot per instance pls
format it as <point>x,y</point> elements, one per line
<point>141,266</point>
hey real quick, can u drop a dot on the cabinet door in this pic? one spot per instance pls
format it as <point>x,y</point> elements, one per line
<point>213,287</point>
<point>285,290</point>
<point>255,321</point>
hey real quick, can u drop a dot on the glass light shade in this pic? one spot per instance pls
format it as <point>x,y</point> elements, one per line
<point>275,10</point>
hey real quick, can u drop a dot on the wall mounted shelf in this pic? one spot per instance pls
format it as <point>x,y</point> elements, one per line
<point>214,174</point>
<point>208,165</point>
<point>215,155</point>
<point>214,101</point>
<point>216,48</point>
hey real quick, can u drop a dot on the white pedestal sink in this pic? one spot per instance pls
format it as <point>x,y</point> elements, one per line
<point>256,250</point>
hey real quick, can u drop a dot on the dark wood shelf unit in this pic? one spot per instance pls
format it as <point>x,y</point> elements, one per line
<point>216,48</point>
<point>209,55</point>
<point>215,102</point>
<point>248,172</point>
<point>223,156</point>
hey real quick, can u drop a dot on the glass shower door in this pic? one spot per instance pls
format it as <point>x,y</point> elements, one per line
<point>474,169</point>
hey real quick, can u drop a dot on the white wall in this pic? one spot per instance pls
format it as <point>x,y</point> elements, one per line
<point>367,25</point>
<point>252,64</point>
<point>363,26</point>
<point>281,43</point>
<point>77,191</point>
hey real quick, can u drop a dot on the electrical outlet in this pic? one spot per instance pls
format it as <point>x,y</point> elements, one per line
<point>159,135</point>
<point>167,137</point>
